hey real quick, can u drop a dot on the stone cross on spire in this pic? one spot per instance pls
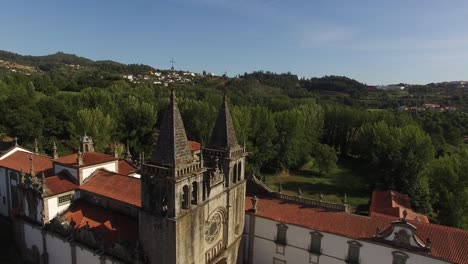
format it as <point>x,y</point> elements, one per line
<point>172,148</point>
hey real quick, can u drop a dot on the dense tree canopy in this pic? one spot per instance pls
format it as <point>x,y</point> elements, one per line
<point>282,121</point>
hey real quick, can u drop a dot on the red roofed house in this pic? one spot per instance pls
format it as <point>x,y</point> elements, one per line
<point>394,204</point>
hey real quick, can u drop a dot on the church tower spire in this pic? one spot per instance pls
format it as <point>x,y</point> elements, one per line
<point>224,136</point>
<point>172,148</point>
<point>191,213</point>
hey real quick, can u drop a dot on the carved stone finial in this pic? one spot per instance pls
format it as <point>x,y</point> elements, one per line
<point>405,214</point>
<point>321,197</point>
<point>31,166</point>
<point>201,152</point>
<point>22,176</point>
<point>254,204</point>
<point>36,148</point>
<point>116,154</point>
<point>299,192</point>
<point>16,141</point>
<point>79,158</point>
<point>128,155</point>
<point>280,188</point>
<point>54,151</point>
<point>428,243</point>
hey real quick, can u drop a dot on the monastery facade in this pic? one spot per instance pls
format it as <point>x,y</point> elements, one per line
<point>191,203</point>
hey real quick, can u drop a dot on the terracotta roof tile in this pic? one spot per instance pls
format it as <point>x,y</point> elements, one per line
<point>194,145</point>
<point>59,184</point>
<point>394,203</point>
<point>126,168</point>
<point>89,158</point>
<point>111,225</point>
<point>447,243</point>
<point>120,187</point>
<point>20,160</point>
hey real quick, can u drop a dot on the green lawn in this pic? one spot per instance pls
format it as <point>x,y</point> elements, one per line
<point>333,185</point>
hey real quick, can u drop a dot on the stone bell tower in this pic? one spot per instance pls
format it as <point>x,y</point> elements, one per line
<point>186,207</point>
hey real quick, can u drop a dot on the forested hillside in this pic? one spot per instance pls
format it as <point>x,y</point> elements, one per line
<point>283,120</point>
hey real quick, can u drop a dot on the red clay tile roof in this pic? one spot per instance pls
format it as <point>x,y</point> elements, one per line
<point>59,184</point>
<point>20,160</point>
<point>126,168</point>
<point>394,203</point>
<point>120,187</point>
<point>89,158</point>
<point>448,243</point>
<point>194,146</point>
<point>111,225</point>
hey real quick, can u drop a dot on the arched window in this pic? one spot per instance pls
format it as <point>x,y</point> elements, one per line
<point>194,192</point>
<point>239,172</point>
<point>185,197</point>
<point>234,174</point>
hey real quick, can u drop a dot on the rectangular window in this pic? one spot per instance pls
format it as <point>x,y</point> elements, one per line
<point>399,258</point>
<point>278,261</point>
<point>281,234</point>
<point>280,249</point>
<point>353,252</point>
<point>315,243</point>
<point>65,198</point>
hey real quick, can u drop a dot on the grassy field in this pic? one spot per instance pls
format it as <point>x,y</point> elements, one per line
<point>334,185</point>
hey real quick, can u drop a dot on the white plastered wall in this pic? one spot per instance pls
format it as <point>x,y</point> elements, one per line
<point>84,256</point>
<point>87,171</point>
<point>334,247</point>
<point>33,237</point>
<point>53,206</point>
<point>59,250</point>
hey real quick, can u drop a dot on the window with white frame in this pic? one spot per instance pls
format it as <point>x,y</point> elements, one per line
<point>353,252</point>
<point>315,243</point>
<point>65,198</point>
<point>399,257</point>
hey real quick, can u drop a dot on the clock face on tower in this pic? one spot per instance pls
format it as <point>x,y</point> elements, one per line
<point>213,227</point>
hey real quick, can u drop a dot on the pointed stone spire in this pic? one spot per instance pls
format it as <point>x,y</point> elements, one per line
<point>36,148</point>
<point>223,135</point>
<point>54,151</point>
<point>172,148</point>
<point>16,141</point>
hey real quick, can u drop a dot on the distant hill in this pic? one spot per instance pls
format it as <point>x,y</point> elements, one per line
<point>48,62</point>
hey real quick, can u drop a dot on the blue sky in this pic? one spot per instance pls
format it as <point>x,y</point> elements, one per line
<point>376,42</point>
